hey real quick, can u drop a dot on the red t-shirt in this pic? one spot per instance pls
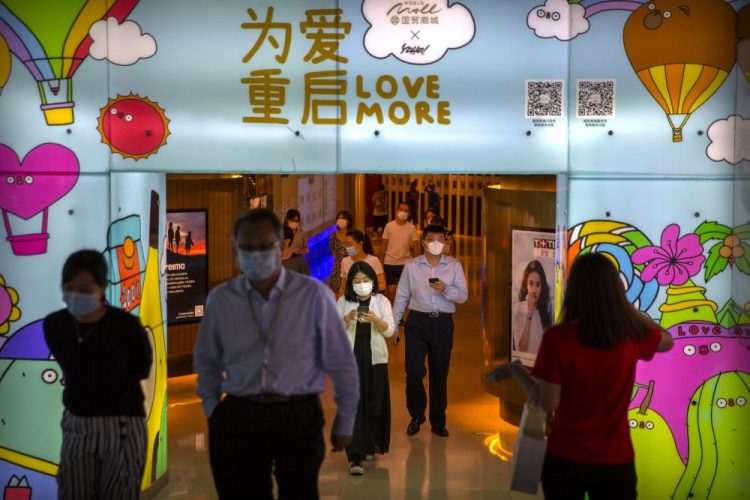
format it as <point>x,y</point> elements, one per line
<point>591,425</point>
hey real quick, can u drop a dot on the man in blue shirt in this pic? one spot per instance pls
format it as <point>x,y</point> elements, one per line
<point>431,285</point>
<point>267,340</point>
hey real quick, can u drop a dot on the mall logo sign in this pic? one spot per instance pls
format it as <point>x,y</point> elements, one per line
<point>416,31</point>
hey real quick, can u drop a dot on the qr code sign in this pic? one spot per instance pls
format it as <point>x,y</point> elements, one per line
<point>595,99</point>
<point>544,98</point>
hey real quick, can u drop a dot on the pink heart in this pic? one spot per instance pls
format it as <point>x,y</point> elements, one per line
<point>47,173</point>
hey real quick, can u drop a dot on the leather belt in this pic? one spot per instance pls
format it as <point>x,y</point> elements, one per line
<point>271,397</point>
<point>434,314</point>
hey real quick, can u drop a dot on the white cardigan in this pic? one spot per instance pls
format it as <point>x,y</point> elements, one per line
<point>380,305</point>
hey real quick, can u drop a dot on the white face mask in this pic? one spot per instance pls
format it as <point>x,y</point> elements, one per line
<point>363,289</point>
<point>257,265</point>
<point>351,251</point>
<point>435,247</point>
<point>342,223</point>
<point>402,215</point>
<point>292,224</point>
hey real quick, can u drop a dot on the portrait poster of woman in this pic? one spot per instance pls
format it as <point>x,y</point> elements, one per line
<point>532,291</point>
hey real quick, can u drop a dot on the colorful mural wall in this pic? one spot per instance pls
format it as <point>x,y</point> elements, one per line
<point>641,107</point>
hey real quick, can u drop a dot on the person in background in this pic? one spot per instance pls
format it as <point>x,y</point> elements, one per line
<point>431,285</point>
<point>432,217</point>
<point>400,243</point>
<point>433,196</point>
<point>533,313</point>
<point>292,261</point>
<point>299,243</point>
<point>379,209</point>
<point>368,319</point>
<point>412,199</point>
<point>267,341</point>
<point>450,242</point>
<point>104,353</point>
<point>359,249</point>
<point>337,245</point>
<point>584,373</point>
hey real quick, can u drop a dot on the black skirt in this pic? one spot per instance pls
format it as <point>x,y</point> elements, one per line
<point>372,427</point>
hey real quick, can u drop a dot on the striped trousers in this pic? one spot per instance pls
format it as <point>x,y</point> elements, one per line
<point>102,457</point>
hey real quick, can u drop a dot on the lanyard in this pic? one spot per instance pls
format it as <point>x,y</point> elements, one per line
<point>265,334</point>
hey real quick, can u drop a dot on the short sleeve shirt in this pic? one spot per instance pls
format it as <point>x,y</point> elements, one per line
<point>590,425</point>
<point>400,238</point>
<point>374,262</point>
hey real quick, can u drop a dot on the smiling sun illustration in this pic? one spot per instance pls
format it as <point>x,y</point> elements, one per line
<point>9,310</point>
<point>133,126</point>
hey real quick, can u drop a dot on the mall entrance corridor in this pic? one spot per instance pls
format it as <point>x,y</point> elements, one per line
<point>423,466</point>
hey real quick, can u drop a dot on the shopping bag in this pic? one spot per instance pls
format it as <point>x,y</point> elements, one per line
<point>528,454</point>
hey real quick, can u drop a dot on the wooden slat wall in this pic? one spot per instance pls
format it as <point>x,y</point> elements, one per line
<point>224,199</point>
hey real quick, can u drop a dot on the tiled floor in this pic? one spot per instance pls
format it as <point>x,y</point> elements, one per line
<point>422,466</point>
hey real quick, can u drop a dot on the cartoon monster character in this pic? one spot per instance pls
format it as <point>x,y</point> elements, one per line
<point>718,416</point>
<point>657,463</point>
<point>155,387</point>
<point>31,386</point>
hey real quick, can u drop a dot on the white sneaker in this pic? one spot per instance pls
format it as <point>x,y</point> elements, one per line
<point>369,458</point>
<point>356,468</point>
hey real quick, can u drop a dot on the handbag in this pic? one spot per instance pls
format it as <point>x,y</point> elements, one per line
<point>529,450</point>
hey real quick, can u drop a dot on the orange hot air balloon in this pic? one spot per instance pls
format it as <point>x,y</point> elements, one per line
<point>743,40</point>
<point>682,50</point>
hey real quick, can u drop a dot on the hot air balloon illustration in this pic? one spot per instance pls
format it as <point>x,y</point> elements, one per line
<point>4,63</point>
<point>743,40</point>
<point>682,51</point>
<point>52,39</point>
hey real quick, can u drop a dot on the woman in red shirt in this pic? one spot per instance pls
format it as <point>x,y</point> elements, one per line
<point>584,373</point>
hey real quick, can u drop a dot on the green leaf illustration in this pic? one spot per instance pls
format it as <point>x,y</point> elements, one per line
<point>715,263</point>
<point>743,231</point>
<point>712,230</point>
<point>743,263</point>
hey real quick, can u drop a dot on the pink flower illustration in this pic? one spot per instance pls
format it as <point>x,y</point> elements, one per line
<point>675,261</point>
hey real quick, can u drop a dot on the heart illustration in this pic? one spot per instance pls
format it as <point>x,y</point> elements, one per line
<point>47,173</point>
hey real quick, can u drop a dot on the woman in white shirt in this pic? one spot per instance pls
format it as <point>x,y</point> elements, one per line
<point>359,249</point>
<point>531,316</point>
<point>368,319</point>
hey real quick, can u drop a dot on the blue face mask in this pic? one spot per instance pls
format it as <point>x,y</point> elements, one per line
<point>81,304</point>
<point>258,265</point>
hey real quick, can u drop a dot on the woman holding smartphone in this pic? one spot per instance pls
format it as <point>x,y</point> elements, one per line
<point>368,319</point>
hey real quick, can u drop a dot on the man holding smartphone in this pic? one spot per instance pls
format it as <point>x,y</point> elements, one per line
<point>431,285</point>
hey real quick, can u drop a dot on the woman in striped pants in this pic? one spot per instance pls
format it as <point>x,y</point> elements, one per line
<point>104,353</point>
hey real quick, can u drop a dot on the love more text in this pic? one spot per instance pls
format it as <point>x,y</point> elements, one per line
<point>379,101</point>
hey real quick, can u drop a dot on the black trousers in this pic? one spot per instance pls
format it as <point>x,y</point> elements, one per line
<point>569,480</point>
<point>249,440</point>
<point>430,338</point>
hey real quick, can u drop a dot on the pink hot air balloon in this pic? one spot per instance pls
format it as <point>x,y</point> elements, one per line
<point>46,174</point>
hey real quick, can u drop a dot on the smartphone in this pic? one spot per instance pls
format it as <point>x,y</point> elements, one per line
<point>363,309</point>
<point>434,280</point>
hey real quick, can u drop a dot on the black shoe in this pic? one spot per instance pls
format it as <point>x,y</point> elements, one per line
<point>440,431</point>
<point>413,426</point>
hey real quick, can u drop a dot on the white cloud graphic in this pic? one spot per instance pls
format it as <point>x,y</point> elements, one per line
<point>730,140</point>
<point>122,44</point>
<point>558,19</point>
<point>416,34</point>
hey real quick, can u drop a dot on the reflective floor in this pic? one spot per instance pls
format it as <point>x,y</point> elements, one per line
<point>423,466</point>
